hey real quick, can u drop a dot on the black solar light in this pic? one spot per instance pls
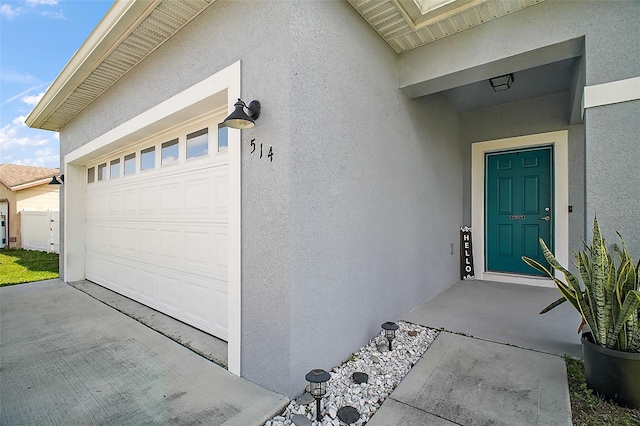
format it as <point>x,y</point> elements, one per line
<point>390,331</point>
<point>317,386</point>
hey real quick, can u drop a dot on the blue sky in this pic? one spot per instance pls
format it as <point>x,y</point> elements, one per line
<point>37,39</point>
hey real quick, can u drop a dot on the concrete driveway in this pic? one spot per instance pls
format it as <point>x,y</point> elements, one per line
<point>66,358</point>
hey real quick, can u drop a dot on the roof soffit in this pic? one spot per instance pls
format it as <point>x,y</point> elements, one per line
<point>402,25</point>
<point>130,31</point>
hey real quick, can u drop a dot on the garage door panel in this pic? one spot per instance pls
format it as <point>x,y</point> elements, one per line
<point>130,284</point>
<point>221,307</point>
<point>146,284</point>
<point>197,249</point>
<point>197,196</point>
<point>148,200</point>
<point>115,237</point>
<point>161,238</point>
<point>221,194</point>
<point>130,202</point>
<point>222,252</point>
<point>170,243</point>
<point>168,292</point>
<point>170,199</point>
<point>129,238</point>
<point>115,203</point>
<point>101,234</point>
<point>148,242</point>
<point>97,268</point>
<point>198,299</point>
<point>115,276</point>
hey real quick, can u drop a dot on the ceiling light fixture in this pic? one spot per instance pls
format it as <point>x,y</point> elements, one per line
<point>502,82</point>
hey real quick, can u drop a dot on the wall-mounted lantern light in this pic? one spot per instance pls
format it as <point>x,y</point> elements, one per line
<point>56,181</point>
<point>502,82</point>
<point>390,331</point>
<point>239,119</point>
<point>317,386</point>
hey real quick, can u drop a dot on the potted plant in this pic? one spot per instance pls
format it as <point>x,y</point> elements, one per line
<point>609,302</point>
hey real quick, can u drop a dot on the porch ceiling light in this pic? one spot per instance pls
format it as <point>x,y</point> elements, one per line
<point>55,181</point>
<point>390,331</point>
<point>239,119</point>
<point>317,386</point>
<point>502,82</point>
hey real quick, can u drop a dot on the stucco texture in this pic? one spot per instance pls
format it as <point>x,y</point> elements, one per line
<point>612,178</point>
<point>375,189</point>
<point>352,223</point>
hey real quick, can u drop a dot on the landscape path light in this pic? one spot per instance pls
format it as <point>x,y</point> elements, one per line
<point>317,386</point>
<point>390,331</point>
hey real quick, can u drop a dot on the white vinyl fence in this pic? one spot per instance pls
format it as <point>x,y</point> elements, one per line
<point>41,231</point>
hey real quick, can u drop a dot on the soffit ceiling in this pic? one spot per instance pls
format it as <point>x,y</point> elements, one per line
<point>120,42</point>
<point>128,35</point>
<point>401,24</point>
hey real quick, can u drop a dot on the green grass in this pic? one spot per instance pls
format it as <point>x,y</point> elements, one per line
<point>588,409</point>
<point>23,266</point>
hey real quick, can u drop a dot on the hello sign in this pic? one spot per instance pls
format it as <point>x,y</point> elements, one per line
<point>466,254</point>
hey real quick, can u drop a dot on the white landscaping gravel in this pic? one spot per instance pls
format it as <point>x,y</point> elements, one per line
<point>384,375</point>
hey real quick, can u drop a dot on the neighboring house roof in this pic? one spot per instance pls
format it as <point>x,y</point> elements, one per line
<point>16,177</point>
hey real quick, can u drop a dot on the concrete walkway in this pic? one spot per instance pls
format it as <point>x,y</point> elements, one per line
<point>66,358</point>
<point>478,377</point>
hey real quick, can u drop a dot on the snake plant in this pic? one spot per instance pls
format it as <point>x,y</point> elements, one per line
<point>608,298</point>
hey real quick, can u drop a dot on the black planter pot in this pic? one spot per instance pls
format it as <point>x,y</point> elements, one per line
<point>614,375</point>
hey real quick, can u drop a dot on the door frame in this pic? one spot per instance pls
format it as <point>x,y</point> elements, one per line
<point>560,142</point>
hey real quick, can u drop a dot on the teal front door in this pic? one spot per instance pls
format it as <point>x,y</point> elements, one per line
<point>519,210</point>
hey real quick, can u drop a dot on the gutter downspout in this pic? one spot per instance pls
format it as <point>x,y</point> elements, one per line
<point>8,215</point>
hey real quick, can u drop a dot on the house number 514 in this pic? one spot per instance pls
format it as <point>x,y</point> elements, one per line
<point>253,149</point>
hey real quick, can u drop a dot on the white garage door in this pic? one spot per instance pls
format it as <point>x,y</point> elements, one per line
<point>157,225</point>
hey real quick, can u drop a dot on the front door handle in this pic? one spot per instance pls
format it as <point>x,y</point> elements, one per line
<point>547,218</point>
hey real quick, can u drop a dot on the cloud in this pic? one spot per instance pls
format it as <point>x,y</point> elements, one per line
<point>22,145</point>
<point>11,11</point>
<point>53,15</point>
<point>45,2</point>
<point>8,11</point>
<point>16,77</point>
<point>24,93</point>
<point>32,100</point>
<point>10,137</point>
<point>45,157</point>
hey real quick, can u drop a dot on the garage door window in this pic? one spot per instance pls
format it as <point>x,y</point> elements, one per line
<point>148,158</point>
<point>170,152</point>
<point>223,137</point>
<point>198,143</point>
<point>130,164</point>
<point>91,174</point>
<point>102,171</point>
<point>114,168</point>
